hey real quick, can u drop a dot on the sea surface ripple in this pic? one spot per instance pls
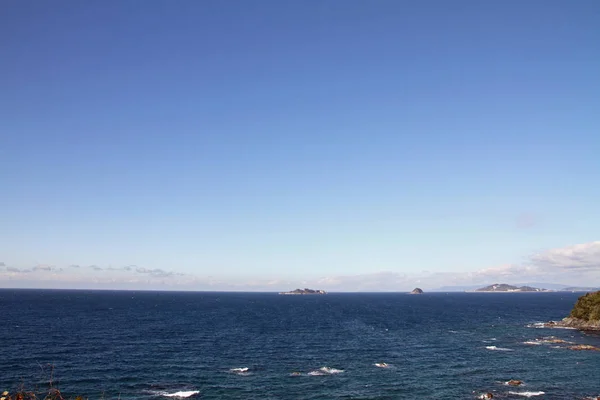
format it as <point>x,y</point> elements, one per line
<point>153,345</point>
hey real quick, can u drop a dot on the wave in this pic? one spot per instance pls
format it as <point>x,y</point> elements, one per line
<point>537,325</point>
<point>316,373</point>
<point>544,325</point>
<point>547,340</point>
<point>325,371</point>
<point>382,365</point>
<point>182,394</point>
<point>243,371</point>
<point>498,348</point>
<point>527,394</point>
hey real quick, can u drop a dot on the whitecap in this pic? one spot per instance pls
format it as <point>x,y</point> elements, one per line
<point>497,348</point>
<point>329,370</point>
<point>325,371</point>
<point>541,325</point>
<point>382,365</point>
<point>316,373</point>
<point>182,394</point>
<point>238,370</point>
<point>537,325</point>
<point>527,394</point>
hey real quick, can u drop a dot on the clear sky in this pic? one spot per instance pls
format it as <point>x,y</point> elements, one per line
<point>259,144</point>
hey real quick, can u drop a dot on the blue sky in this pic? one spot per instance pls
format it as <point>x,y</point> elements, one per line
<point>263,144</point>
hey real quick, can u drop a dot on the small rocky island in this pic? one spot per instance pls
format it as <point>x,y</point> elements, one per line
<point>305,291</point>
<point>503,287</point>
<point>584,316</point>
<point>417,291</point>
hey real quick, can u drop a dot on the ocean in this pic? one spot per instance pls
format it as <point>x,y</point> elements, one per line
<point>159,345</point>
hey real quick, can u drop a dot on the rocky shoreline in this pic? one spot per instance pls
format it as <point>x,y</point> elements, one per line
<point>574,323</point>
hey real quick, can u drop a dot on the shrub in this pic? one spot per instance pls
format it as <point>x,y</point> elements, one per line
<point>587,307</point>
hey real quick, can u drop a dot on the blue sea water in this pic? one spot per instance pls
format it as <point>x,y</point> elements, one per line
<point>152,345</point>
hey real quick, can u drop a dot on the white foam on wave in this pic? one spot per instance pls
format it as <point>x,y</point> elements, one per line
<point>328,370</point>
<point>537,325</point>
<point>243,371</point>
<point>382,365</point>
<point>527,394</point>
<point>494,348</point>
<point>182,394</point>
<point>325,371</point>
<point>542,325</point>
<point>316,373</point>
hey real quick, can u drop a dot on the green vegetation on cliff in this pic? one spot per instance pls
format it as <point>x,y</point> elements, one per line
<point>587,308</point>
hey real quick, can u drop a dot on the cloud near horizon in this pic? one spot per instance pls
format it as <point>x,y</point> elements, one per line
<point>584,256</point>
<point>576,264</point>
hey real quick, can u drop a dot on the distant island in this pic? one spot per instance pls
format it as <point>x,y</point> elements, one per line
<point>503,287</point>
<point>417,291</point>
<point>305,291</point>
<point>584,316</point>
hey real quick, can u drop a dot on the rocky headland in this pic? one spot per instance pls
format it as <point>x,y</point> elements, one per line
<point>584,316</point>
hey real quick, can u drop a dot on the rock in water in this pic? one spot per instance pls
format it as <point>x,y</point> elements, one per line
<point>417,291</point>
<point>584,347</point>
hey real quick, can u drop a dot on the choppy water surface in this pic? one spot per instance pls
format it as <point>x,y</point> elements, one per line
<point>151,345</point>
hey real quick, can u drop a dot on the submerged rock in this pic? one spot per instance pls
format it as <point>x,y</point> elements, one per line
<point>486,396</point>
<point>554,340</point>
<point>584,347</point>
<point>514,382</point>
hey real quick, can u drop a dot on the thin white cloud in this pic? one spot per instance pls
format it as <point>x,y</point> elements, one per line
<point>43,267</point>
<point>576,265</point>
<point>156,272</point>
<point>585,256</point>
